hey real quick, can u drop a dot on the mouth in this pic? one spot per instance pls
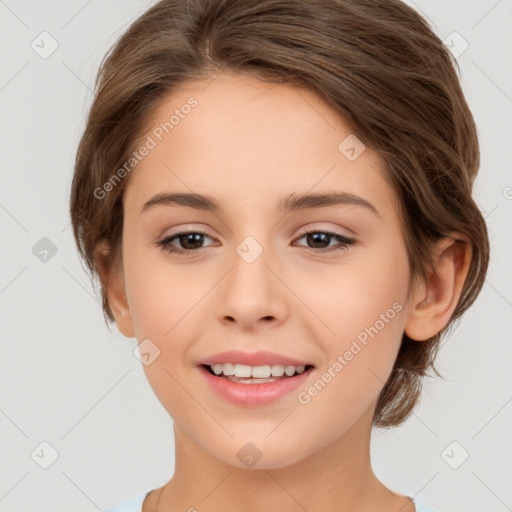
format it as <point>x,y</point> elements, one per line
<point>259,390</point>
<point>245,374</point>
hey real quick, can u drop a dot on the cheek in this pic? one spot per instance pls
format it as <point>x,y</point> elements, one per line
<point>161,293</point>
<point>362,304</point>
<point>168,304</point>
<point>163,301</point>
<point>354,295</point>
<point>368,321</point>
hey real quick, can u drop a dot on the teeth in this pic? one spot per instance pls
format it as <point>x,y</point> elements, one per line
<point>227,369</point>
<point>260,372</point>
<point>289,370</point>
<point>277,370</point>
<point>256,372</point>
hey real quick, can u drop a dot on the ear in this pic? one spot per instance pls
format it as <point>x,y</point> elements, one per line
<point>435,299</point>
<point>112,279</point>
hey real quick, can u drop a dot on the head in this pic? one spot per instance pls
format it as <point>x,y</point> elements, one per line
<point>254,104</point>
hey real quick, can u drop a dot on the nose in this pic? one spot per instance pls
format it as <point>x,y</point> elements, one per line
<point>252,294</point>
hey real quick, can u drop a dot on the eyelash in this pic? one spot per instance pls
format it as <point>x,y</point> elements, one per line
<point>165,243</point>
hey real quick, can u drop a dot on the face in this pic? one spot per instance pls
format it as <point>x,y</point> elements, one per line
<point>321,282</point>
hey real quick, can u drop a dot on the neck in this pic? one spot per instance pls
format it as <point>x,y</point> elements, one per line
<point>339,474</point>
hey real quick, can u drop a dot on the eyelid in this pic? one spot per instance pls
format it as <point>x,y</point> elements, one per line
<point>338,230</point>
<point>186,228</point>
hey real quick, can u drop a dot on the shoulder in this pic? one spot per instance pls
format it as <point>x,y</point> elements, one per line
<point>132,505</point>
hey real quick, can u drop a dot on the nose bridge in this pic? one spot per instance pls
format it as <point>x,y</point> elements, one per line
<point>251,276</point>
<point>252,290</point>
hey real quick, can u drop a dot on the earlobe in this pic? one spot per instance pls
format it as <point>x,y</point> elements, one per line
<point>113,281</point>
<point>434,302</point>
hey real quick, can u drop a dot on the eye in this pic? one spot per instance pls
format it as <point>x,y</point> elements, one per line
<point>321,239</point>
<point>190,241</point>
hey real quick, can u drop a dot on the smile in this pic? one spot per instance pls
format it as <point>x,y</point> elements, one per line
<point>254,385</point>
<point>255,374</point>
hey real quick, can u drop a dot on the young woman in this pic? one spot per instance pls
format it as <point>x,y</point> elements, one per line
<point>277,198</point>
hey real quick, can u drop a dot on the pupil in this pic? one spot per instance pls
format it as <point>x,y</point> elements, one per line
<point>192,237</point>
<point>316,238</point>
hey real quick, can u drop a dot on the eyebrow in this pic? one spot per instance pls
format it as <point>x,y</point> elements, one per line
<point>290,203</point>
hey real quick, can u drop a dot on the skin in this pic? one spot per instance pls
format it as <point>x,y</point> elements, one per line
<point>249,144</point>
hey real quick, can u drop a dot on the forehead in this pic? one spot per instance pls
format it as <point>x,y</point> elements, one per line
<point>248,142</point>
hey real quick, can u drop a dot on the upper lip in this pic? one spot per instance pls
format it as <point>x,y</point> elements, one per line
<point>260,358</point>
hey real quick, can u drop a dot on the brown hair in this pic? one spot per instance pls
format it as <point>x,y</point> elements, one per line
<point>375,62</point>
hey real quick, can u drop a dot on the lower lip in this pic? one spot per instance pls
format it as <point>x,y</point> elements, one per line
<point>254,394</point>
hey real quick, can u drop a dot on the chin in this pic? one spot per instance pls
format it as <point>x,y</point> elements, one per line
<point>254,456</point>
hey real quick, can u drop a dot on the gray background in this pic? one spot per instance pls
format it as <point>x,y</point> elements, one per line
<point>67,381</point>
